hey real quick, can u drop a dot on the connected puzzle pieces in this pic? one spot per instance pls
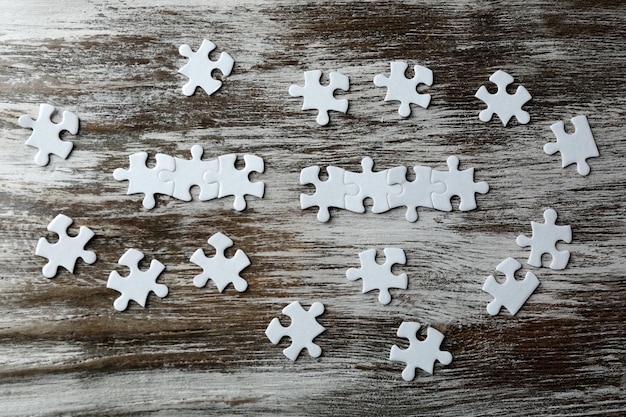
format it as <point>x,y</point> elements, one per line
<point>302,330</point>
<point>458,183</point>
<point>513,293</point>
<point>176,176</point>
<point>420,354</point>
<point>199,68</point>
<point>404,90</point>
<point>502,103</point>
<point>319,97</point>
<point>220,269</point>
<point>66,251</point>
<point>46,133</point>
<point>138,284</point>
<point>575,148</point>
<point>545,238</point>
<point>377,276</point>
<point>329,193</point>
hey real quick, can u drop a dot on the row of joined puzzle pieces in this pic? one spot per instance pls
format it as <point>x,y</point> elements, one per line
<point>389,189</point>
<point>175,176</point>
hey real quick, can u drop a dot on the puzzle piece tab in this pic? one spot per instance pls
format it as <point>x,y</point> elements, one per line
<point>66,251</point>
<point>420,353</point>
<point>138,284</point>
<point>502,103</point>
<point>236,182</point>
<point>458,183</point>
<point>329,193</point>
<point>404,90</point>
<point>545,237</point>
<point>575,148</point>
<point>319,97</point>
<point>512,294</point>
<point>377,276</point>
<point>46,133</point>
<point>220,269</point>
<point>372,185</point>
<point>190,172</point>
<point>142,179</point>
<point>416,193</point>
<point>200,67</point>
<point>302,330</point>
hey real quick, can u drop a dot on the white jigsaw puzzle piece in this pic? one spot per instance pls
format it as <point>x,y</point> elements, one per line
<point>575,148</point>
<point>303,329</point>
<point>420,354</point>
<point>329,193</point>
<point>190,172</point>
<point>138,284</point>
<point>46,133</point>
<point>377,276</point>
<point>502,103</point>
<point>66,251</point>
<point>372,185</point>
<point>236,182</point>
<point>416,193</point>
<point>220,269</point>
<point>545,238</point>
<point>513,293</point>
<point>144,180</point>
<point>404,90</point>
<point>199,68</point>
<point>319,97</point>
<point>458,183</point>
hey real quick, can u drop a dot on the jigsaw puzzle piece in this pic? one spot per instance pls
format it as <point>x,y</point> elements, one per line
<point>236,182</point>
<point>458,183</point>
<point>199,68</point>
<point>502,103</point>
<point>372,185</point>
<point>46,134</point>
<point>404,90</point>
<point>329,193</point>
<point>144,180</point>
<point>513,293</point>
<point>190,172</point>
<point>220,269</point>
<point>416,193</point>
<point>575,148</point>
<point>303,329</point>
<point>322,98</point>
<point>66,251</point>
<point>545,238</point>
<point>377,276</point>
<point>420,354</point>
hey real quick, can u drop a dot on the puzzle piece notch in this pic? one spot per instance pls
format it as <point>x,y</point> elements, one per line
<point>236,182</point>
<point>329,193</point>
<point>303,329</point>
<point>416,193</point>
<point>458,183</point>
<point>420,353</point>
<point>220,269</point>
<point>372,185</point>
<point>319,97</point>
<point>502,103</point>
<point>46,134</point>
<point>138,284</point>
<point>199,68</point>
<point>545,238</point>
<point>513,293</point>
<point>575,148</point>
<point>144,180</point>
<point>404,90</point>
<point>190,172</point>
<point>377,276</point>
<point>66,251</point>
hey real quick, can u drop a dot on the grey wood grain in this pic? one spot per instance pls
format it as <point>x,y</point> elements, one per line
<point>64,350</point>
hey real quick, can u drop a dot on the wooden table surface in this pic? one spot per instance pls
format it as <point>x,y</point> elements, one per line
<point>64,350</point>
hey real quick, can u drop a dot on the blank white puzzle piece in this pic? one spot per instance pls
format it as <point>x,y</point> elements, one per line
<point>220,269</point>
<point>199,68</point>
<point>329,193</point>
<point>46,133</point>
<point>138,284</point>
<point>416,193</point>
<point>319,97</point>
<point>502,103</point>
<point>302,330</point>
<point>236,182</point>
<point>458,183</point>
<point>190,172</point>
<point>377,276</point>
<point>66,251</point>
<point>575,148</point>
<point>404,90</point>
<point>420,354</point>
<point>144,180</point>
<point>545,238</point>
<point>372,185</point>
<point>513,293</point>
